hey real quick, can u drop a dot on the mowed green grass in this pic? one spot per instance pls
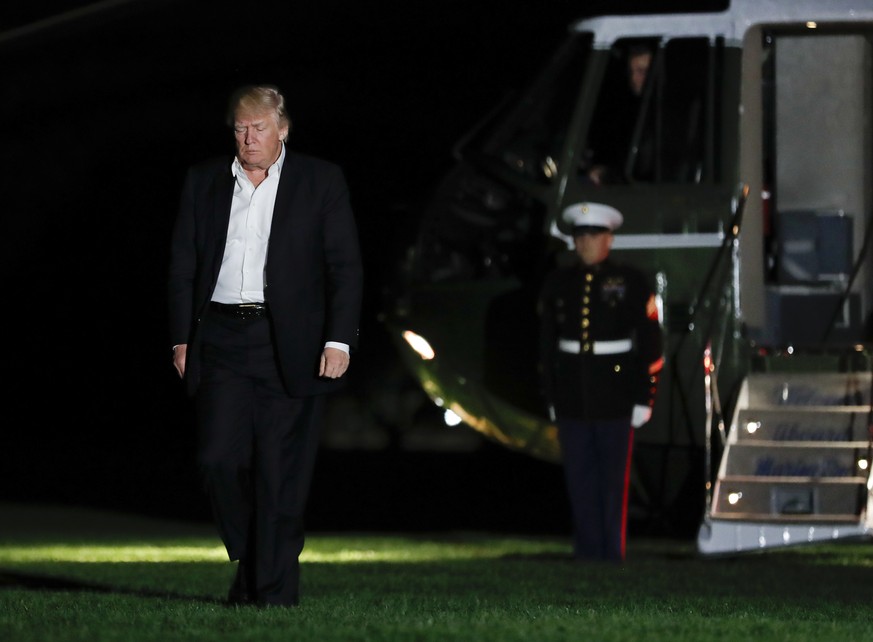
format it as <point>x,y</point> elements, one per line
<point>68,574</point>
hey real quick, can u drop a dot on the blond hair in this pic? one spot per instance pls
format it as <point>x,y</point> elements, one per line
<point>259,99</point>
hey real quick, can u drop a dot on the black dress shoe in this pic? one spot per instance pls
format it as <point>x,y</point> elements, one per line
<point>242,589</point>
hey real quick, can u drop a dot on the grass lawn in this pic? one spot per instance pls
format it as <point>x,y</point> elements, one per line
<point>75,574</point>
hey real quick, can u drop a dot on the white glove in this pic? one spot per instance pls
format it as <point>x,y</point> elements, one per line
<point>641,415</point>
<point>552,415</point>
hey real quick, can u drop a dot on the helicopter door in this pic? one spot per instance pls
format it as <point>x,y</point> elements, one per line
<point>817,136</point>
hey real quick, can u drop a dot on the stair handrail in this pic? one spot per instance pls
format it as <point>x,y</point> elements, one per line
<point>714,416</point>
<point>715,411</point>
<point>870,432</point>
<point>731,233</point>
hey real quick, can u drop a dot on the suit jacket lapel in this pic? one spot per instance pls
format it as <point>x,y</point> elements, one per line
<point>287,210</point>
<point>222,195</point>
<point>285,193</point>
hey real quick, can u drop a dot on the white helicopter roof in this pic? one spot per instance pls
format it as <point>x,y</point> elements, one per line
<point>732,23</point>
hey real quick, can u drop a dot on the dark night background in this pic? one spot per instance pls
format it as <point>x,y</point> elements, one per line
<point>103,111</point>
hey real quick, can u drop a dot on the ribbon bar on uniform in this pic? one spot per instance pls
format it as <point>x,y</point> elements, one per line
<point>618,346</point>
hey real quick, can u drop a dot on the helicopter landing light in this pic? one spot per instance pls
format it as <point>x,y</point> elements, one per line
<point>451,418</point>
<point>419,344</point>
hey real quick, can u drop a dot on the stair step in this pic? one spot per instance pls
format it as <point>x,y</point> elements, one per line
<point>808,389</point>
<point>773,459</point>
<point>814,425</point>
<point>768,518</point>
<point>802,500</point>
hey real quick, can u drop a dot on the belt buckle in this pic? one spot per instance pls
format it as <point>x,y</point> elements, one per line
<point>251,310</point>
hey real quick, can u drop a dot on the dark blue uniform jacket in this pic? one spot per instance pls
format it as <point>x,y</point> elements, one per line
<point>600,341</point>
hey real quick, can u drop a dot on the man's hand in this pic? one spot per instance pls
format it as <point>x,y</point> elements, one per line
<point>596,174</point>
<point>334,363</point>
<point>640,415</point>
<point>179,353</point>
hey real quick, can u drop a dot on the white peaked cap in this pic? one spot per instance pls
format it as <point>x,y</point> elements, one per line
<point>593,215</point>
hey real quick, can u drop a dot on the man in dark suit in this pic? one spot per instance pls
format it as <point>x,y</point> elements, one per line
<point>600,356</point>
<point>265,288</point>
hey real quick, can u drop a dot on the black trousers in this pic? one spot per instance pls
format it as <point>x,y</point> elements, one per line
<point>257,450</point>
<point>597,457</point>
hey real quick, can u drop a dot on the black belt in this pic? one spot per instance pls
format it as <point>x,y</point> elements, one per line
<point>240,310</point>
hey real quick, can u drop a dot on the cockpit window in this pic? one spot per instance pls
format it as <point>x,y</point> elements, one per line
<point>529,135</point>
<point>649,123</point>
<point>652,121</point>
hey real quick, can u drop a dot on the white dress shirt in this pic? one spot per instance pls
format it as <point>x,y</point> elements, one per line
<point>241,277</point>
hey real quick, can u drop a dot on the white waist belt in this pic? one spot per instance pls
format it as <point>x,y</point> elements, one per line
<point>618,346</point>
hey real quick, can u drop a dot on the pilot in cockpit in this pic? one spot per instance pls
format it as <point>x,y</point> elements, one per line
<point>612,130</point>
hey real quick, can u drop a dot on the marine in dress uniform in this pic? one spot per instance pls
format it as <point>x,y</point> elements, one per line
<point>600,356</point>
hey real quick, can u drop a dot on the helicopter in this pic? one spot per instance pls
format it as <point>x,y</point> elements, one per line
<point>743,175</point>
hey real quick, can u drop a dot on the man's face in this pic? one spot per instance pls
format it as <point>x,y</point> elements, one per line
<point>258,139</point>
<point>638,67</point>
<point>593,246</point>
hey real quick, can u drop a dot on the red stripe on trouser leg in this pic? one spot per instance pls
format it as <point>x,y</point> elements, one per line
<point>624,501</point>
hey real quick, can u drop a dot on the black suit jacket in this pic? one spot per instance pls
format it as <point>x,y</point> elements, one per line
<point>314,276</point>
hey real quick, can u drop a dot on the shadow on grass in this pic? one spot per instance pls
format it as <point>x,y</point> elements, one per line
<point>35,582</point>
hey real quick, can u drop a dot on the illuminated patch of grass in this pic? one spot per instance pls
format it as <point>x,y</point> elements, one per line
<point>79,575</point>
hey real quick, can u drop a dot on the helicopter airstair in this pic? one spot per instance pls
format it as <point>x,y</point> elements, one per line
<point>795,468</point>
